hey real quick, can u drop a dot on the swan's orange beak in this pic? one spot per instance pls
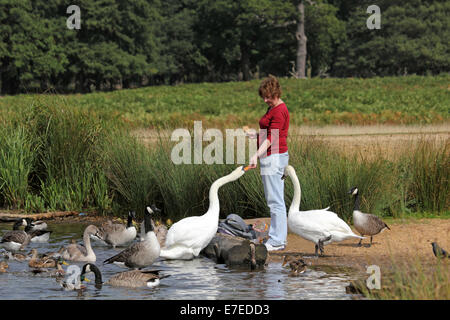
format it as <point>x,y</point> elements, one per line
<point>246,168</point>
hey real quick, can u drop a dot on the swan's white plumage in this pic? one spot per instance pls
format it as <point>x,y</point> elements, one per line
<point>314,225</point>
<point>186,238</point>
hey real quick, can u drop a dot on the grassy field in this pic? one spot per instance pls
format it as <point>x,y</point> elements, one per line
<point>391,100</point>
<point>88,152</point>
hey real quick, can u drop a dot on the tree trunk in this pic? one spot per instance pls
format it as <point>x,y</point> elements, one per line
<point>301,43</point>
<point>245,62</point>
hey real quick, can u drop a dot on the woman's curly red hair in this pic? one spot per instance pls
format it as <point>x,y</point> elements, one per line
<point>270,88</point>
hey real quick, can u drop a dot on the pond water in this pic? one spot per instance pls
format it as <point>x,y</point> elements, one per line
<point>200,278</point>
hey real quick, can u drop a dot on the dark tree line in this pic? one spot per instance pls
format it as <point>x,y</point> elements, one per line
<point>130,43</point>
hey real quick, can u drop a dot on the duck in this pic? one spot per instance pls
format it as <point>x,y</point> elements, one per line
<point>69,286</point>
<point>117,234</point>
<point>3,266</point>
<point>438,251</point>
<point>54,254</point>
<point>17,256</point>
<point>365,223</point>
<point>58,271</point>
<point>44,262</point>
<point>73,281</point>
<point>187,237</point>
<point>16,239</point>
<point>297,265</point>
<point>139,254</point>
<point>320,226</point>
<point>76,252</point>
<point>131,279</point>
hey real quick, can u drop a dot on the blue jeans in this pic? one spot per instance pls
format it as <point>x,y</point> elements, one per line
<point>272,169</point>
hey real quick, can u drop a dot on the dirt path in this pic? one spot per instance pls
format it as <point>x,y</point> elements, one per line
<point>387,140</point>
<point>406,241</point>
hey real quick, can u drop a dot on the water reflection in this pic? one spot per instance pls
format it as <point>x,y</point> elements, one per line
<point>200,278</point>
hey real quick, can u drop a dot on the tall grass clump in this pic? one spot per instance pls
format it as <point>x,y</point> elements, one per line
<point>17,155</point>
<point>429,165</point>
<point>129,170</point>
<point>67,168</point>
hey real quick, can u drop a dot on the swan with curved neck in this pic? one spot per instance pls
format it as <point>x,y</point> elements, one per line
<point>319,226</point>
<point>186,238</point>
<point>75,252</point>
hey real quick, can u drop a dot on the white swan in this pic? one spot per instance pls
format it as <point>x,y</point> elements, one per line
<point>186,238</point>
<point>319,226</point>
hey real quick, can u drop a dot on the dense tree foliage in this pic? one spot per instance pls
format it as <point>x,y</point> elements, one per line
<point>413,39</point>
<point>124,44</point>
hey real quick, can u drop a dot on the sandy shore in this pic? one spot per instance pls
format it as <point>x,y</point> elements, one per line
<point>406,241</point>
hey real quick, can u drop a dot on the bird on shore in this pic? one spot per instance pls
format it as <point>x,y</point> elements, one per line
<point>318,226</point>
<point>297,265</point>
<point>365,223</point>
<point>140,254</point>
<point>439,252</point>
<point>131,279</point>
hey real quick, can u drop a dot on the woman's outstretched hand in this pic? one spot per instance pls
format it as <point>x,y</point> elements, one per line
<point>251,133</point>
<point>253,162</point>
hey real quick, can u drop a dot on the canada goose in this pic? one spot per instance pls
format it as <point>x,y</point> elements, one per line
<point>117,234</point>
<point>365,223</point>
<point>297,265</point>
<point>16,239</point>
<point>319,226</point>
<point>139,254</point>
<point>3,266</point>
<point>439,252</point>
<point>159,228</point>
<point>75,252</point>
<point>187,237</point>
<point>132,279</point>
<point>36,235</point>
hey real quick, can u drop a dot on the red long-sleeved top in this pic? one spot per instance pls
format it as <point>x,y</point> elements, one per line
<point>276,118</point>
